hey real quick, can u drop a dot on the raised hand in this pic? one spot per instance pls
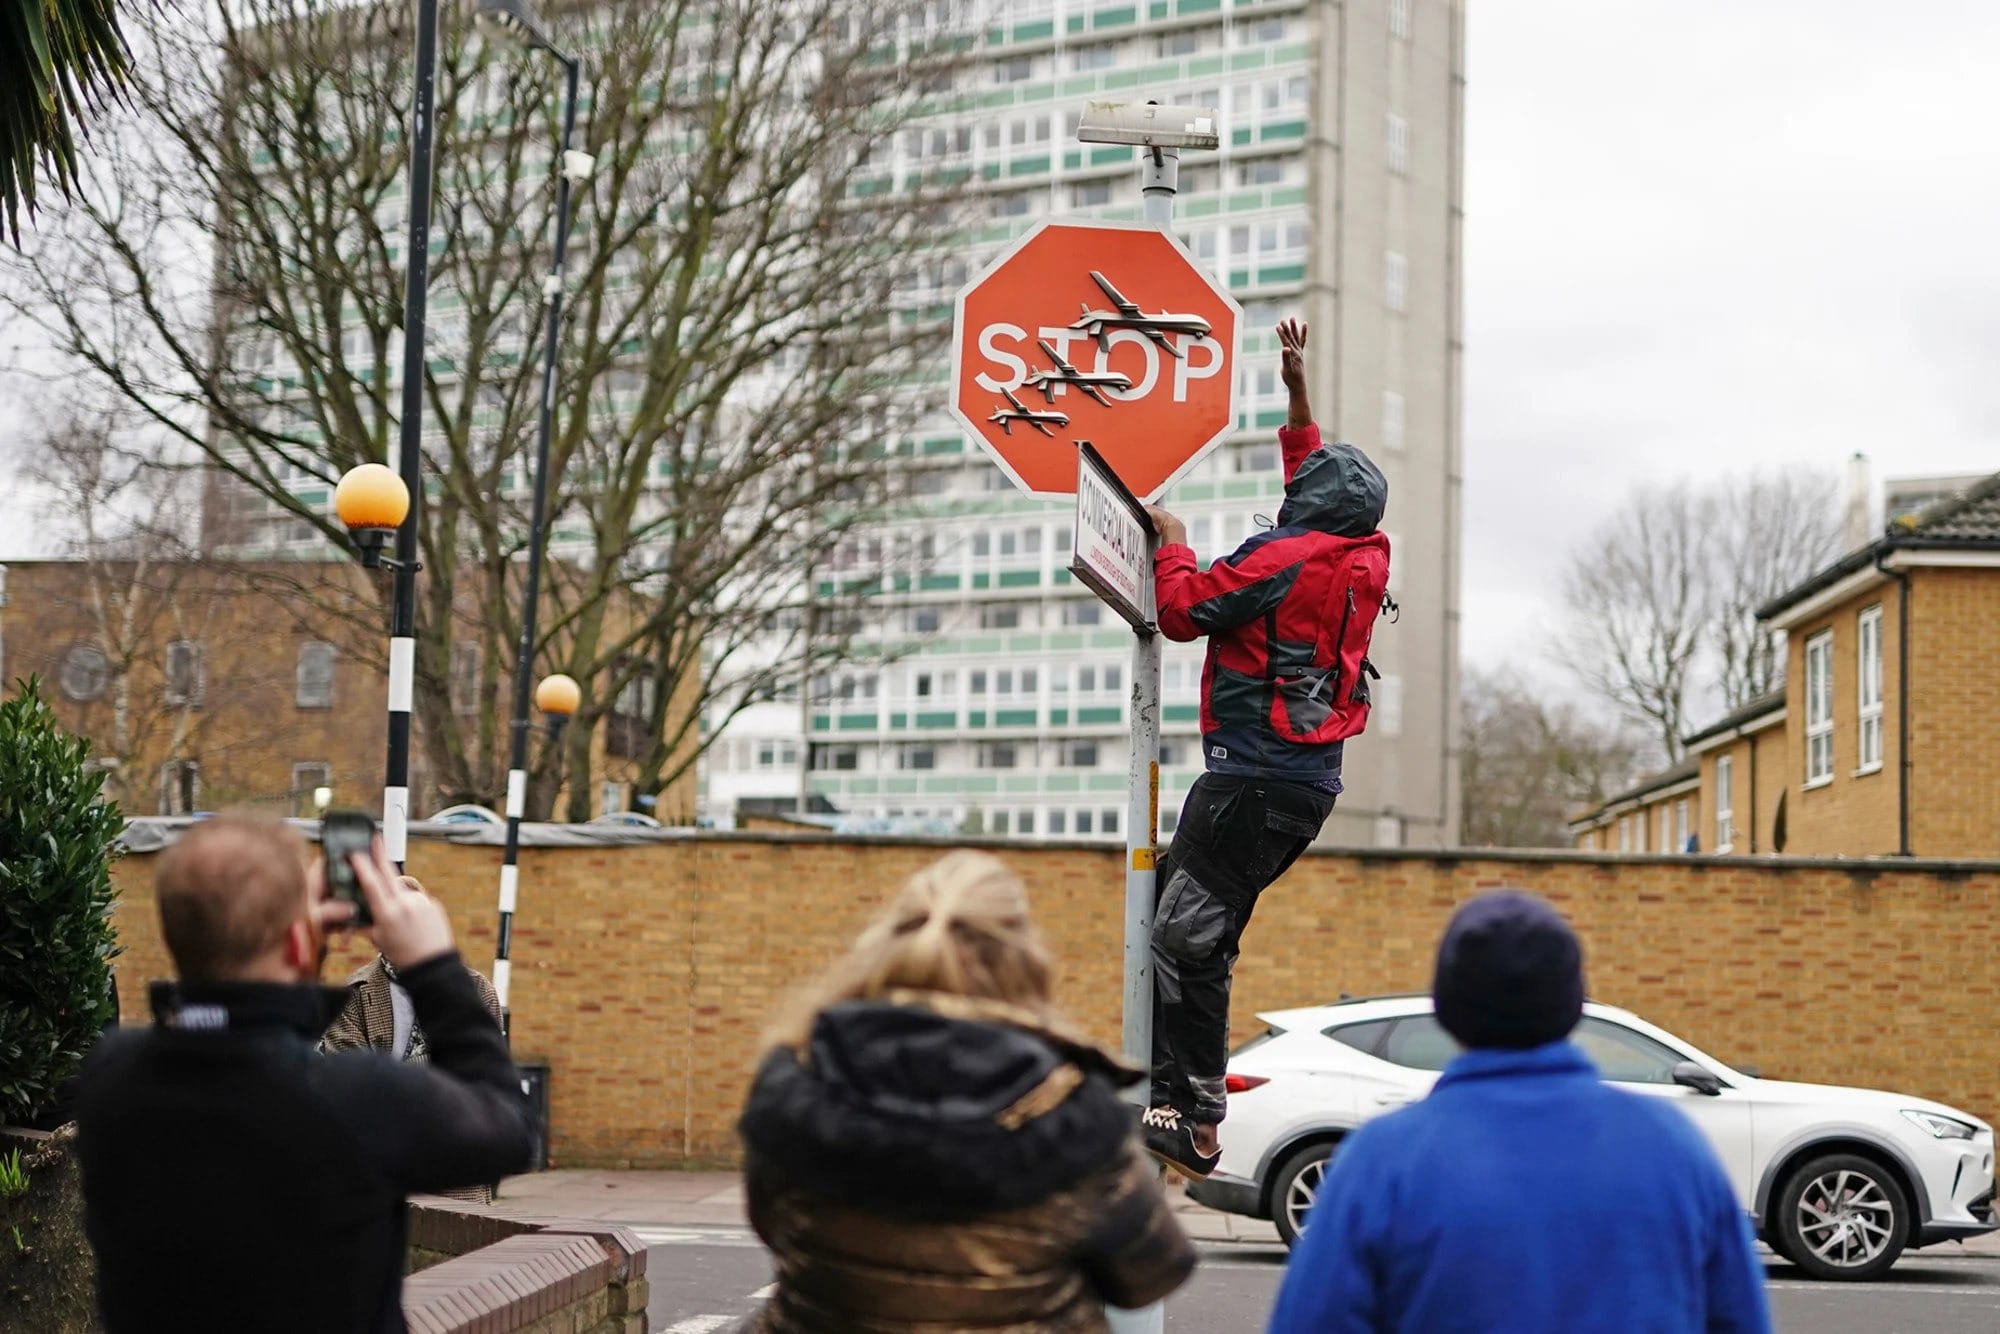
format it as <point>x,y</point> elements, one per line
<point>1292,360</point>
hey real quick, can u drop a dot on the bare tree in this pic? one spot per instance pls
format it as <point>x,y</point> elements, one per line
<point>129,524</point>
<point>1637,593</point>
<point>1662,596</point>
<point>1771,531</point>
<point>1528,762</point>
<point>738,324</point>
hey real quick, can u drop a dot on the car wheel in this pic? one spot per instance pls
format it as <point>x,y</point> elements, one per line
<point>1295,1188</point>
<point>1843,1217</point>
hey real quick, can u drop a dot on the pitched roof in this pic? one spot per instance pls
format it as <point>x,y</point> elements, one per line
<point>1686,771</point>
<point>1969,519</point>
<point>1738,717</point>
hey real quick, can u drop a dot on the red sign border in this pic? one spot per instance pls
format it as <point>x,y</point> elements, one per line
<point>1232,352</point>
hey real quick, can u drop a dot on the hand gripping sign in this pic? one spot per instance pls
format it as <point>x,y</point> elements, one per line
<point>1101,332</point>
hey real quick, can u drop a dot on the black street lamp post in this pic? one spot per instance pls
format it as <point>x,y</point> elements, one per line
<point>514,18</point>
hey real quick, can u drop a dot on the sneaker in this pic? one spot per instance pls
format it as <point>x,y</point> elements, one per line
<point>1170,1139</point>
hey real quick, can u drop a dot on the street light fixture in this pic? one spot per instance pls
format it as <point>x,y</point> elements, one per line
<point>372,502</point>
<point>515,20</point>
<point>557,696</point>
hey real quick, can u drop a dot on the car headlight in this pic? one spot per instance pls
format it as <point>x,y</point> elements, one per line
<point>1942,1127</point>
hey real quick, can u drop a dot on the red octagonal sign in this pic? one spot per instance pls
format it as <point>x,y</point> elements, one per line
<point>1095,331</point>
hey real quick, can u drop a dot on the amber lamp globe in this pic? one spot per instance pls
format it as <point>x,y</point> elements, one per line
<point>558,695</point>
<point>371,497</point>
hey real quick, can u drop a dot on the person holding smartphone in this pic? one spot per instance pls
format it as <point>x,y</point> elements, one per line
<point>235,1180</point>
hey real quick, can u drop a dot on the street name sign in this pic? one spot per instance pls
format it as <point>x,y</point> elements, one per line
<point>1106,332</point>
<point>1113,551</point>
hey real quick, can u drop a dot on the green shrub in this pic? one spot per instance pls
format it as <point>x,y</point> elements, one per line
<point>56,941</point>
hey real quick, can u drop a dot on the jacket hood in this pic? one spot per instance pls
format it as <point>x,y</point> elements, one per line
<point>1337,490</point>
<point>935,1112</point>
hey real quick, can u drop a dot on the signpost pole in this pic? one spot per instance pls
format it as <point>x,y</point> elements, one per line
<point>1160,171</point>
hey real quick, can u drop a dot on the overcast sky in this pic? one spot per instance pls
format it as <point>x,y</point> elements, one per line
<point>1702,236</point>
<point>1710,235</point>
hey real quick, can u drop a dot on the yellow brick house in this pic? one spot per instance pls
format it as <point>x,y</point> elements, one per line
<point>1882,741</point>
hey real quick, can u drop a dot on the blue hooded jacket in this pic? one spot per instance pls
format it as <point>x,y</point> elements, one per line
<point>1525,1195</point>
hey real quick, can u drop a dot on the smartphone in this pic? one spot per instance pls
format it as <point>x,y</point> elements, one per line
<point>344,835</point>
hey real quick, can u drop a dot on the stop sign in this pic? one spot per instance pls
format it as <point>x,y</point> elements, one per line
<point>1095,331</point>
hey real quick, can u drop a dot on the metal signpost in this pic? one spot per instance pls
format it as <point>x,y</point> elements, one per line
<point>1114,555</point>
<point>1146,369</point>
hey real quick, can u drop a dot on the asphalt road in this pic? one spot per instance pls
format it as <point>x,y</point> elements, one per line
<point>705,1279</point>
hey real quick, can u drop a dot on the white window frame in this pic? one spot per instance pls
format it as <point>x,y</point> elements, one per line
<point>1725,801</point>
<point>191,696</point>
<point>1868,689</point>
<point>1819,709</point>
<point>1396,281</point>
<point>1395,419</point>
<point>1625,833</point>
<point>1681,825</point>
<point>1396,144</point>
<point>1399,19</point>
<point>300,697</point>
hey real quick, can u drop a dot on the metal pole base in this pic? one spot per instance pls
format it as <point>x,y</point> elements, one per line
<point>1146,1320</point>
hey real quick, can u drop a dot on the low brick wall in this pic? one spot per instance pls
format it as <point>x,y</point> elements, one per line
<point>643,974</point>
<point>482,1270</point>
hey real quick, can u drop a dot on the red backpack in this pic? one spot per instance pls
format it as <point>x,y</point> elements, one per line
<point>1330,702</point>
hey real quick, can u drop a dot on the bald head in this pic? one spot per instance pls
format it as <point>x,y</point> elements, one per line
<point>229,893</point>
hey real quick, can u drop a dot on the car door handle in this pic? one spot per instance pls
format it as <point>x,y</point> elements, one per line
<point>1391,1099</point>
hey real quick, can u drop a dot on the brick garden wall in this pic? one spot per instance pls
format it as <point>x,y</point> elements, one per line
<point>642,974</point>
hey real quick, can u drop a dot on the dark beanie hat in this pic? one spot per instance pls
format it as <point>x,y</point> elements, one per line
<point>1509,973</point>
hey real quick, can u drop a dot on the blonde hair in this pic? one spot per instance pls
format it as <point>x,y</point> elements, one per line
<point>959,927</point>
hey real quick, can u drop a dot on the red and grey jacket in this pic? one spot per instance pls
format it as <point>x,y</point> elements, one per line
<point>1288,618</point>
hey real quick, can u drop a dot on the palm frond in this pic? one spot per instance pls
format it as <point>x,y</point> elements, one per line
<point>59,61</point>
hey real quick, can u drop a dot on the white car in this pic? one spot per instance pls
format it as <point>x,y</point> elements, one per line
<point>1838,1180</point>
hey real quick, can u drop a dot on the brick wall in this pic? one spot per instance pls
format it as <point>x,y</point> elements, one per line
<point>1954,712</point>
<point>643,974</point>
<point>1855,813</point>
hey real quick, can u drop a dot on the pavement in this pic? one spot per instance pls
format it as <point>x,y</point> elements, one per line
<point>715,1199</point>
<point>708,1270</point>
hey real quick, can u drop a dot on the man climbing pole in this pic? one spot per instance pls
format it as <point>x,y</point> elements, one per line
<point>1288,617</point>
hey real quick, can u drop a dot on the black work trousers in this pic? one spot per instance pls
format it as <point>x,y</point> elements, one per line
<point>1235,837</point>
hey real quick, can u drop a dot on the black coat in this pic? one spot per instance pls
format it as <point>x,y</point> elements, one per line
<point>234,1179</point>
<point>934,1162</point>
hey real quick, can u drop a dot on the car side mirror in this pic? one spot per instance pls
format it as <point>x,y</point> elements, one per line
<point>1689,1075</point>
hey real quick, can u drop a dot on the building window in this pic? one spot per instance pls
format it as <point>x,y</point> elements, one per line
<point>1083,613</point>
<point>307,779</point>
<point>184,673</point>
<point>1392,419</point>
<point>916,757</point>
<point>1396,282</point>
<point>1005,616</point>
<point>1869,685</point>
<point>314,686</point>
<point>1093,194</point>
<point>613,798</point>
<point>1058,822</point>
<point>1107,822</point>
<point>1399,19</point>
<point>85,673</point>
<point>628,726</point>
<point>1624,833</point>
<point>1025,823</point>
<point>1085,824</point>
<point>1398,145</point>
<point>1385,714</point>
<point>843,759</point>
<point>1819,708</point>
<point>924,621</point>
<point>465,673</point>
<point>1077,754</point>
<point>999,755</point>
<point>1102,56</point>
<point>1725,797</point>
<point>1681,826</point>
<point>180,787</point>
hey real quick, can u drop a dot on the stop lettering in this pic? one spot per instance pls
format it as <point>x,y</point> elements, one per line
<point>1099,332</point>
